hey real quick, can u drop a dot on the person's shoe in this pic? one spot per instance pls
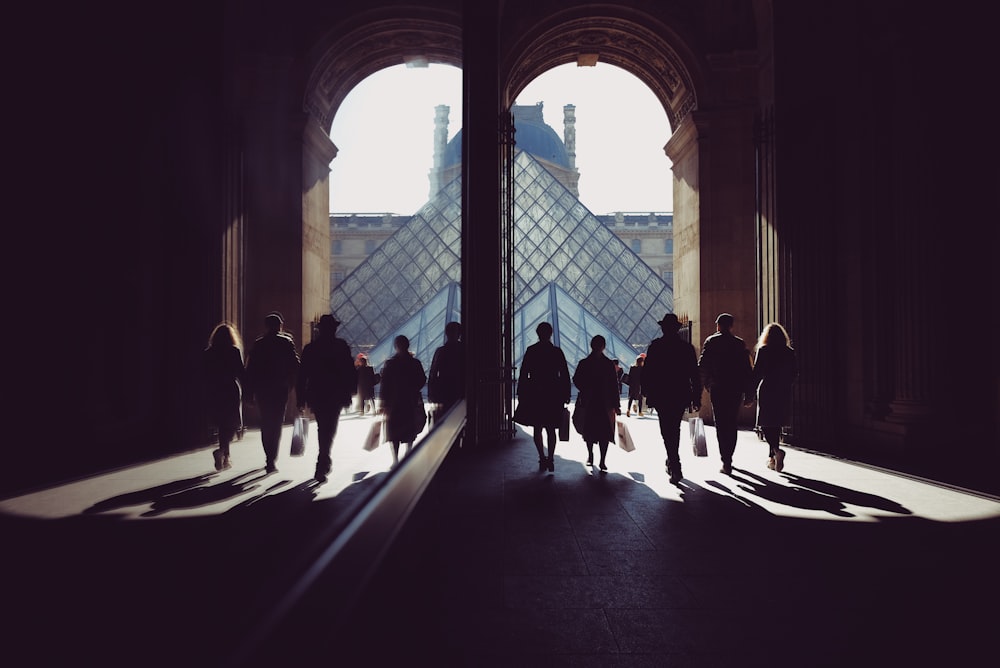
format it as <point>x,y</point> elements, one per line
<point>727,469</point>
<point>628,413</point>
<point>226,464</point>
<point>779,460</point>
<point>770,463</point>
<point>604,467</point>
<point>320,477</point>
<point>590,460</point>
<point>543,465</point>
<point>675,476</point>
<point>217,456</point>
<point>270,468</point>
<point>551,465</point>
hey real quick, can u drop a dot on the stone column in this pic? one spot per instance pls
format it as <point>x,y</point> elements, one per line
<point>569,139</point>
<point>440,145</point>
<point>481,248</point>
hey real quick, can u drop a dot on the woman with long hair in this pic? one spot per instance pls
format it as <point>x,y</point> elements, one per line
<point>224,374</point>
<point>774,371</point>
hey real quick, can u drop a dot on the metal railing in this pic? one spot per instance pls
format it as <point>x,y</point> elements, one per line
<point>346,558</point>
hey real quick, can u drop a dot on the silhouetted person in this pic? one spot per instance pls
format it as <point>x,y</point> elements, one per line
<point>774,371</point>
<point>446,378</point>
<point>543,390</point>
<point>725,371</point>
<point>635,386</point>
<point>271,370</point>
<point>367,380</point>
<point>403,378</point>
<point>598,400</point>
<point>619,373</point>
<point>326,381</point>
<point>672,384</point>
<point>224,374</point>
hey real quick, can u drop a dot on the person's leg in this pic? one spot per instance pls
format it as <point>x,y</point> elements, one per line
<point>537,438</point>
<point>725,410</point>
<point>326,430</point>
<point>394,447</point>
<point>226,435</point>
<point>550,433</point>
<point>776,456</point>
<point>603,446</point>
<point>272,415</point>
<point>590,453</point>
<point>669,418</point>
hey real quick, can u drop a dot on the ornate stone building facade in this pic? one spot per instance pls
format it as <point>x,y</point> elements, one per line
<point>354,236</point>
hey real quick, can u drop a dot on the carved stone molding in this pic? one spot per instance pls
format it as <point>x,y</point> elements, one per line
<point>619,42</point>
<point>351,57</point>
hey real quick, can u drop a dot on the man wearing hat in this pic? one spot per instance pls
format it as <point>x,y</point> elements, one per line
<point>271,369</point>
<point>671,385</point>
<point>326,380</point>
<point>726,372</point>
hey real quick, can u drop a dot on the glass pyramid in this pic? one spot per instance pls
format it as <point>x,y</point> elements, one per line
<point>557,241</point>
<point>425,329</point>
<point>573,327</point>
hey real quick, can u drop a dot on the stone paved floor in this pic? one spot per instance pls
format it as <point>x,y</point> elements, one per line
<point>828,563</point>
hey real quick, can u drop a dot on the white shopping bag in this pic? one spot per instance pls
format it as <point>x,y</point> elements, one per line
<point>300,432</point>
<point>625,441</point>
<point>698,442</point>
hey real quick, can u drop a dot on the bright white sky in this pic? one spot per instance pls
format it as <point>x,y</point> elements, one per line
<point>384,131</point>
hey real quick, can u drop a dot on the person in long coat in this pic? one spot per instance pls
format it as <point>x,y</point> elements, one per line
<point>325,381</point>
<point>597,401</point>
<point>635,387</point>
<point>367,380</point>
<point>446,378</point>
<point>403,378</point>
<point>543,390</point>
<point>224,375</point>
<point>774,372</point>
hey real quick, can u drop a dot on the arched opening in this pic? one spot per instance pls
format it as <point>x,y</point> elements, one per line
<point>711,147</point>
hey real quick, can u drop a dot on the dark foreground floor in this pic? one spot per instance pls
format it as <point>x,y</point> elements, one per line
<point>825,564</point>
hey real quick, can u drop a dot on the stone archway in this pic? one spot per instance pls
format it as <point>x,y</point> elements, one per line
<point>625,43</point>
<point>710,102</point>
<point>338,63</point>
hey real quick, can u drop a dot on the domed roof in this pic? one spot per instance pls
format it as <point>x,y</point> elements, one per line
<point>532,135</point>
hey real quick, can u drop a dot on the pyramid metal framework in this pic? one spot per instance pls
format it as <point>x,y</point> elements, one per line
<point>557,240</point>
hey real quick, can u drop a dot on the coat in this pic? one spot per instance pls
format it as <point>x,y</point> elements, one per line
<point>635,382</point>
<point>670,378</point>
<point>543,386</point>
<point>594,415</point>
<point>272,368</point>
<point>326,378</point>
<point>367,380</point>
<point>446,378</point>
<point>223,374</point>
<point>403,378</point>
<point>774,372</point>
<point>725,365</point>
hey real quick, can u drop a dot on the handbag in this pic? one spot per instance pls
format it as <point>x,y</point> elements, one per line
<point>698,442</point>
<point>300,432</point>
<point>625,441</point>
<point>374,436</point>
<point>564,426</point>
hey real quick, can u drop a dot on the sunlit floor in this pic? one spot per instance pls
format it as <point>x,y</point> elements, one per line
<point>828,563</point>
<point>811,485</point>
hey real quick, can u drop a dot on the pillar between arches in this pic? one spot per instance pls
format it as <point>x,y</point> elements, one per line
<point>714,243</point>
